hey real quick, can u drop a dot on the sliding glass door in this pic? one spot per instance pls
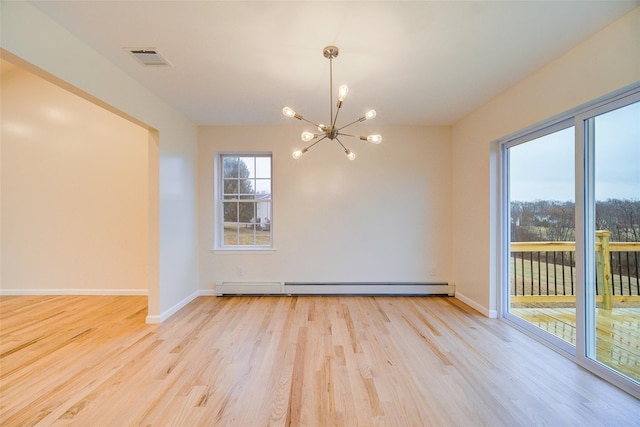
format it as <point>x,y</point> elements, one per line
<point>570,246</point>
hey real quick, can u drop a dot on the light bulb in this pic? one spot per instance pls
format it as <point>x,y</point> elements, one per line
<point>374,139</point>
<point>296,154</point>
<point>351,155</point>
<point>343,90</point>
<point>307,136</point>
<point>370,114</point>
<point>288,112</point>
<point>322,128</point>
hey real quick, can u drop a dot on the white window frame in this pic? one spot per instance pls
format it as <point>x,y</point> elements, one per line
<point>219,246</point>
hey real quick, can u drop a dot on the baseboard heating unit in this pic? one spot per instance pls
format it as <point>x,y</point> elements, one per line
<point>286,288</point>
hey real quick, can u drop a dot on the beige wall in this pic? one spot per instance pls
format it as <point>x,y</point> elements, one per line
<point>440,179</point>
<point>384,217</point>
<point>606,62</point>
<point>28,35</point>
<point>75,193</point>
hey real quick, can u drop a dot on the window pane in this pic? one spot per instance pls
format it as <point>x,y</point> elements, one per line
<point>263,167</point>
<point>263,237</point>
<point>263,187</point>
<point>230,211</point>
<point>245,186</point>
<point>247,211</point>
<point>263,210</point>
<point>230,167</point>
<point>230,233</point>
<point>230,187</point>
<point>542,217</point>
<point>247,167</point>
<point>263,227</point>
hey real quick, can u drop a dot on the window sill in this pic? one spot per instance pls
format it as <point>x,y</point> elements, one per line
<point>244,251</point>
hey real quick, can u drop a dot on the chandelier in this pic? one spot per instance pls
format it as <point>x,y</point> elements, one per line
<point>331,131</point>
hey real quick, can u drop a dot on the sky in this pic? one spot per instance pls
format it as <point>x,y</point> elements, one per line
<point>543,169</point>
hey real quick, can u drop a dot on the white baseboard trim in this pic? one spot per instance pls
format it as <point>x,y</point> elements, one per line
<point>279,288</point>
<point>156,319</point>
<point>207,293</point>
<point>97,292</point>
<point>492,314</point>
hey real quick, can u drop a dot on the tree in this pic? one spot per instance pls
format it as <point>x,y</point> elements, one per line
<point>621,217</point>
<point>522,222</point>
<point>560,223</point>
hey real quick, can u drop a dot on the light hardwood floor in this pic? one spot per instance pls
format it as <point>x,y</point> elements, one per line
<point>301,361</point>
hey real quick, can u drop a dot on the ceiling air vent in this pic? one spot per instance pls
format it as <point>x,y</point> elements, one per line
<point>148,57</point>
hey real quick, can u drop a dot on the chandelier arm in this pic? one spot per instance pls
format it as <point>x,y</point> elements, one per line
<point>359,119</point>
<point>306,148</point>
<point>309,121</point>
<point>346,134</point>
<point>342,145</point>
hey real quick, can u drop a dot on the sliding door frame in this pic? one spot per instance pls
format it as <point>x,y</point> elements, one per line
<point>580,117</point>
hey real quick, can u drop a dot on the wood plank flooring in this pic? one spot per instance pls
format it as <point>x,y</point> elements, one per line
<point>299,361</point>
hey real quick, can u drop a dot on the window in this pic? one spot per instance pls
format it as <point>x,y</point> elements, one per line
<point>244,203</point>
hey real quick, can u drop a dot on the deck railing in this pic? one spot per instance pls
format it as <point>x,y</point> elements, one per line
<point>547,269</point>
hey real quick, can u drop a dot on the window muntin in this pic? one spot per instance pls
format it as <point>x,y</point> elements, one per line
<point>245,201</point>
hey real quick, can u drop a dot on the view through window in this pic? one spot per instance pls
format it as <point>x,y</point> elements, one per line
<point>245,199</point>
<point>542,209</point>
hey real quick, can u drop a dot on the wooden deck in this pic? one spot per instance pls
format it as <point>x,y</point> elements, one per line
<point>617,333</point>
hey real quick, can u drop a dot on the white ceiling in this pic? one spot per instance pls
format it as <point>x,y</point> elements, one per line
<point>422,62</point>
